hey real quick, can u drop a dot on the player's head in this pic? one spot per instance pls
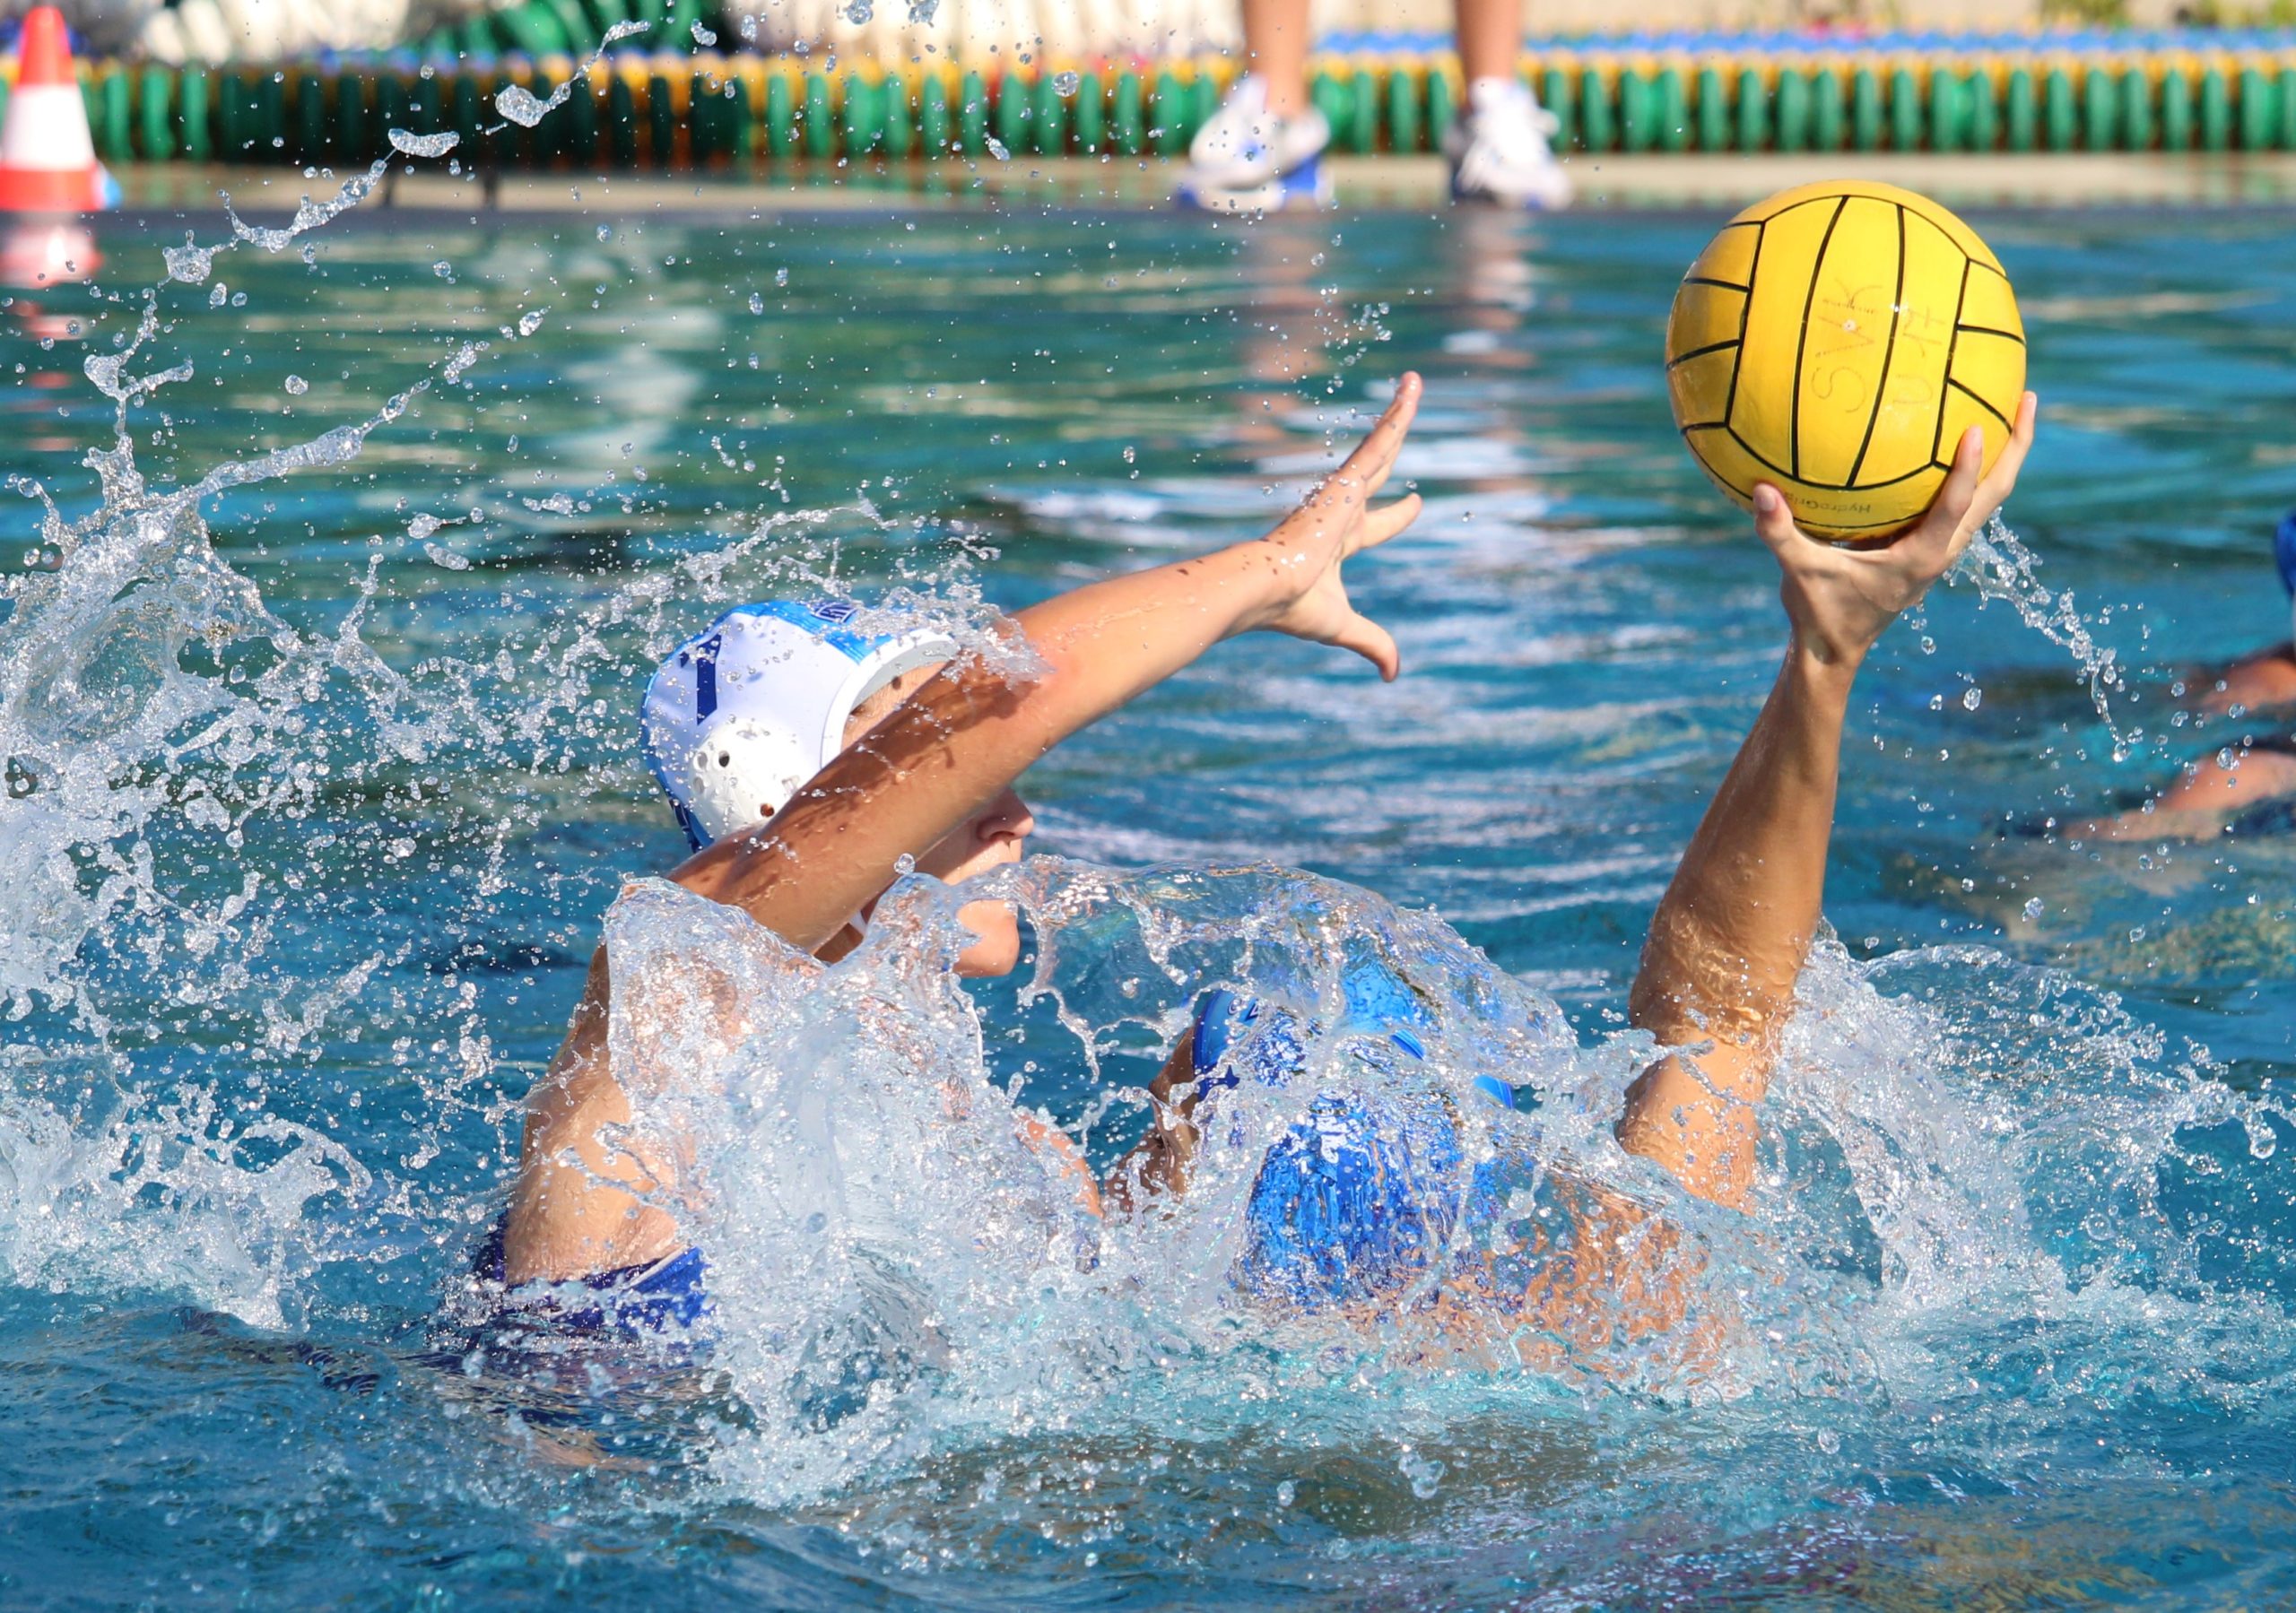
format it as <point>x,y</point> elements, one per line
<point>743,713</point>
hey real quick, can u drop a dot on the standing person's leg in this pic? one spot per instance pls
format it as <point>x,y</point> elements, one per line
<point>1263,149</point>
<point>1497,148</point>
<point>1275,53</point>
<point>1491,39</point>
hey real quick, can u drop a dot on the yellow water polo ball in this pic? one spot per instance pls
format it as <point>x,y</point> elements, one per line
<point>1836,342</point>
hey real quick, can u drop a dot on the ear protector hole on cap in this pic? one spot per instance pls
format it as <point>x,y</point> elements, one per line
<point>740,766</point>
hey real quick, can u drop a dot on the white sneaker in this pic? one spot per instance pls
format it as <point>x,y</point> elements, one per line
<point>1245,160</point>
<point>1500,151</point>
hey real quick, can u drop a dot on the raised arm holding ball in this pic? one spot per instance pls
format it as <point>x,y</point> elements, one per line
<point>1844,358</point>
<point>1732,934</point>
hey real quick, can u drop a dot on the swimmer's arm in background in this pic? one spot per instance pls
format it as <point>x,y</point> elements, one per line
<point>973,729</point>
<point>1730,937</point>
<point>2256,682</point>
<point>1159,1162</point>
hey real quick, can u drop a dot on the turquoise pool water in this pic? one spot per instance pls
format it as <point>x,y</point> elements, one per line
<point>318,797</point>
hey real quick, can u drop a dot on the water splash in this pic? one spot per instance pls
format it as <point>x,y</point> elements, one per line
<point>156,715</point>
<point>160,719</point>
<point>2004,568</point>
<point>171,1194</point>
<point>902,1271</point>
<point>523,107</point>
<point>1998,1202</point>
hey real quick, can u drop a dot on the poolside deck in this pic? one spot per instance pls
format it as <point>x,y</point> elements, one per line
<point>1615,181</point>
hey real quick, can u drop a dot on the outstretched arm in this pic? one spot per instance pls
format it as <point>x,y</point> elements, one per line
<point>1735,928</point>
<point>973,730</point>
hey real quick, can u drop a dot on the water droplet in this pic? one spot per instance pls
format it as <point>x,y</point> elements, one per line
<point>297,386</point>
<point>702,36</point>
<point>2033,910</point>
<point>424,145</point>
<point>1286,1493</point>
<point>781,277</point>
<point>443,269</point>
<point>189,263</point>
<point>757,302</point>
<point>1972,698</point>
<point>522,107</point>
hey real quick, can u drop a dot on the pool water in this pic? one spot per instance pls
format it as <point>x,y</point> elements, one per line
<point>320,788</point>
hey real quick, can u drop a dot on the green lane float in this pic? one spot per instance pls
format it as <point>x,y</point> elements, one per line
<point>1908,116</point>
<point>1753,111</point>
<point>1865,110</point>
<point>1558,93</point>
<point>1793,111</point>
<point>1673,111</point>
<point>674,110</point>
<point>1442,108</point>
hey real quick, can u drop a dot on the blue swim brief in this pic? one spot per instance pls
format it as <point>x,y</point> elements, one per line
<point>652,1299</point>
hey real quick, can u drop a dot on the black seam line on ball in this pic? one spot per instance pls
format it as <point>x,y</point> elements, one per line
<point>1802,341</point>
<point>1952,352</point>
<point>1875,525</point>
<point>1699,352</point>
<point>1745,310</point>
<point>1743,492</point>
<point>1889,356</point>
<point>1987,330</point>
<point>1979,401</point>
<point>1804,202</point>
<point>1747,493</point>
<point>1707,280</point>
<point>1755,455</point>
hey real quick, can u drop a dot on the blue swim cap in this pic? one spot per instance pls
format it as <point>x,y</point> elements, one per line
<point>2284,551</point>
<point>1358,1197</point>
<point>1353,1202</point>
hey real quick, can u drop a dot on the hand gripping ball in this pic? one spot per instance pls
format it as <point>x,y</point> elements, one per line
<point>1835,342</point>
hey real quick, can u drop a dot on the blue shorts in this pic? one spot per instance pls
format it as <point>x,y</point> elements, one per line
<point>652,1299</point>
<point>1359,1197</point>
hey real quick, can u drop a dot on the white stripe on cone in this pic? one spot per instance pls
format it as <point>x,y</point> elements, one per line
<point>46,130</point>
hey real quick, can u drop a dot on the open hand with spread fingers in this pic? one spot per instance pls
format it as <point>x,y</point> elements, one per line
<point>1334,523</point>
<point>1840,597</point>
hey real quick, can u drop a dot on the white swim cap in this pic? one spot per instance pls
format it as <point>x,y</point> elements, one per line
<point>748,709</point>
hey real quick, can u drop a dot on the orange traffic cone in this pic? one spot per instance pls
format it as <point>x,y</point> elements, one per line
<point>47,162</point>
